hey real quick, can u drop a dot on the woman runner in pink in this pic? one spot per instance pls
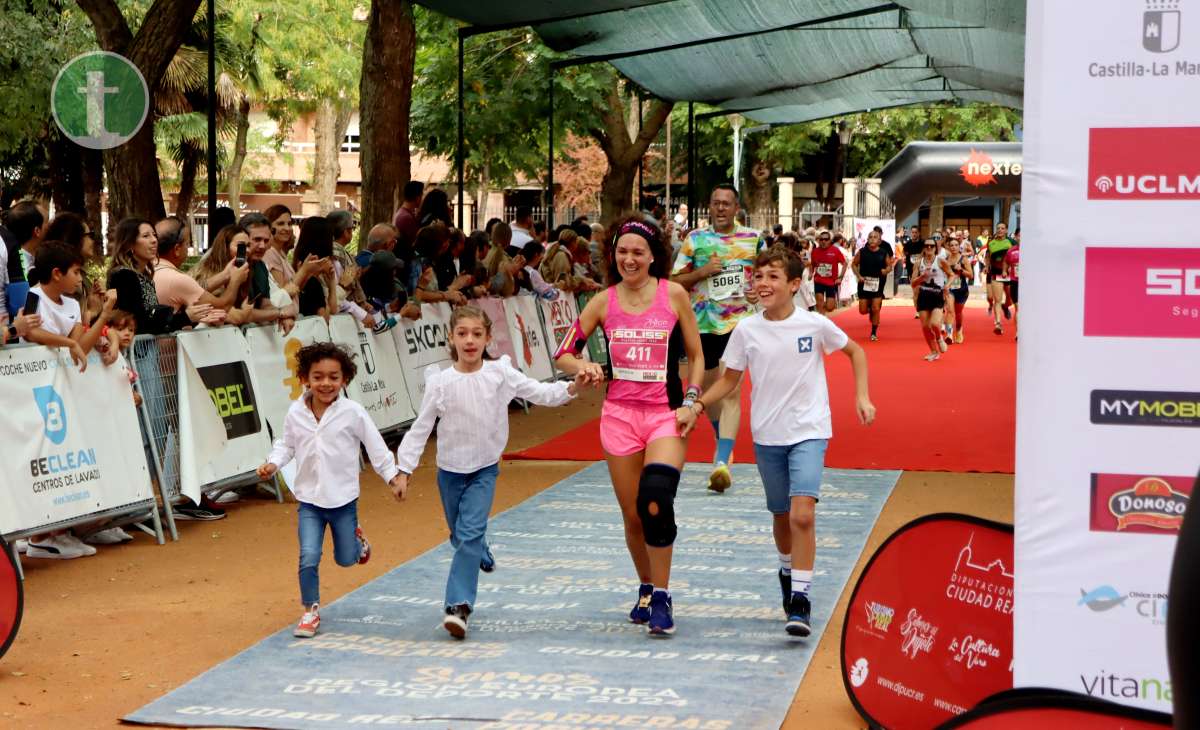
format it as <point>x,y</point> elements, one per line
<point>649,323</point>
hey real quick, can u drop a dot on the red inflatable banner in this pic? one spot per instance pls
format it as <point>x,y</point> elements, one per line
<point>11,598</point>
<point>929,627</point>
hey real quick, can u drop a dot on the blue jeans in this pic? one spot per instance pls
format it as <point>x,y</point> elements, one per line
<point>342,522</point>
<point>466,500</point>
<point>790,471</point>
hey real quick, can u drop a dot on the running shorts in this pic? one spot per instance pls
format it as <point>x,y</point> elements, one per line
<point>714,348</point>
<point>829,291</point>
<point>625,430</point>
<point>930,299</point>
<point>961,295</point>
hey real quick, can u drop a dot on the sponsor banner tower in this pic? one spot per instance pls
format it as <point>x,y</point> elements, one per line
<point>1110,337</point>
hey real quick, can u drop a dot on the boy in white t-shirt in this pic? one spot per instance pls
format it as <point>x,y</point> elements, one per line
<point>784,346</point>
<point>59,270</point>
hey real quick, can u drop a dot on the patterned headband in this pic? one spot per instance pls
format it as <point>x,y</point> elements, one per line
<point>638,228</point>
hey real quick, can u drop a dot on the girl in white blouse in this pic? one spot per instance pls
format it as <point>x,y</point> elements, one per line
<point>471,399</point>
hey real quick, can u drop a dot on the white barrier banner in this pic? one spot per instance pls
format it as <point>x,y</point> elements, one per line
<point>215,380</point>
<point>502,340</point>
<point>273,357</point>
<point>1107,447</point>
<point>71,440</point>
<point>559,315</point>
<point>379,386</point>
<point>422,343</point>
<point>529,338</point>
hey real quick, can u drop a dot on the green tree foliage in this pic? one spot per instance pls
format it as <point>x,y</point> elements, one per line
<point>506,100</point>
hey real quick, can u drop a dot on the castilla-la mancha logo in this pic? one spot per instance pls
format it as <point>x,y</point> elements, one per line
<point>1160,26</point>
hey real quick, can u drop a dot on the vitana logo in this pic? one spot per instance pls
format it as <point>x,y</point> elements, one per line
<point>1116,686</point>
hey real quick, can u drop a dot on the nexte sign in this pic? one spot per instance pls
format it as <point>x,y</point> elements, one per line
<point>1144,163</point>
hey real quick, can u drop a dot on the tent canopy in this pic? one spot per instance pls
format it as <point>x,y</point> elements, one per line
<point>786,61</point>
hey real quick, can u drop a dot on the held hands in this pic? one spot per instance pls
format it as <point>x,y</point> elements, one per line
<point>685,420</point>
<point>866,411</point>
<point>590,374</point>
<point>266,471</point>
<point>399,485</point>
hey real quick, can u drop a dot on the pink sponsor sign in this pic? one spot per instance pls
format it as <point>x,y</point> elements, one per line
<point>1141,292</point>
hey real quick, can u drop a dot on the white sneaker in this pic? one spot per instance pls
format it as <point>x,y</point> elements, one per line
<point>57,548</point>
<point>87,549</point>
<point>941,343</point>
<point>22,546</point>
<point>228,498</point>
<point>931,357</point>
<point>111,536</point>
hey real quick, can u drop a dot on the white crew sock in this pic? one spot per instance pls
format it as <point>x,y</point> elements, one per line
<point>801,580</point>
<point>785,563</point>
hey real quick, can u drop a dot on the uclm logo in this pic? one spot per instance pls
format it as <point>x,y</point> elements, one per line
<point>980,169</point>
<point>1144,163</point>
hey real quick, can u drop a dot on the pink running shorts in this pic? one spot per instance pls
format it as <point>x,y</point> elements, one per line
<point>625,430</point>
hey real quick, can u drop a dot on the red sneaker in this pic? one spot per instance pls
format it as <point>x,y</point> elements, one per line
<point>309,623</point>
<point>365,553</point>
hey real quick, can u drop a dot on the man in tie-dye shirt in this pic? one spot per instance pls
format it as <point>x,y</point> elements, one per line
<point>716,263</point>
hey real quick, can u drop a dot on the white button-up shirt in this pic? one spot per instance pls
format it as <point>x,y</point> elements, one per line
<point>327,451</point>
<point>473,408</point>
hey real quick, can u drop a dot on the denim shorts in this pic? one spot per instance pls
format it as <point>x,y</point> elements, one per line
<point>790,471</point>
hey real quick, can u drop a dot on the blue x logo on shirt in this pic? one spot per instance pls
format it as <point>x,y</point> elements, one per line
<point>805,344</point>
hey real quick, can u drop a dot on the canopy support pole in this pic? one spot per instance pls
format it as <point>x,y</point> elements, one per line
<point>550,160</point>
<point>691,165</point>
<point>459,156</point>
<point>211,163</point>
<point>642,159</point>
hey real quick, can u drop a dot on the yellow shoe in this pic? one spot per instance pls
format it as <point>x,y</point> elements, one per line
<point>958,337</point>
<point>720,479</point>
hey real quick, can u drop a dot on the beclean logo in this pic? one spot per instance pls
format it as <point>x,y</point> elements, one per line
<point>1145,408</point>
<point>100,100</point>
<point>1144,163</point>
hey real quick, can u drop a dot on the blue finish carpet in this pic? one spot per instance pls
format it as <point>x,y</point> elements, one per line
<point>550,644</point>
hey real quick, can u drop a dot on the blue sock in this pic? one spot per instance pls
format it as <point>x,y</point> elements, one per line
<point>724,450</point>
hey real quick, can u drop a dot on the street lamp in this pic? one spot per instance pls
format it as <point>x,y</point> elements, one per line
<point>844,134</point>
<point>736,121</point>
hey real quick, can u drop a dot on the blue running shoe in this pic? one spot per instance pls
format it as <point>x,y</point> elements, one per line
<point>785,587</point>
<point>798,616</point>
<point>488,563</point>
<point>661,621</point>
<point>641,610</point>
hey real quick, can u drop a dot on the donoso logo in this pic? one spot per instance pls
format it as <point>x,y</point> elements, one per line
<point>1144,163</point>
<point>1141,292</point>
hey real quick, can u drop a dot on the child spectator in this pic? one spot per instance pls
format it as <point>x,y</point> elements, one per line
<point>501,268</point>
<point>533,252</point>
<point>322,432</point>
<point>471,399</point>
<point>783,346</point>
<point>58,268</point>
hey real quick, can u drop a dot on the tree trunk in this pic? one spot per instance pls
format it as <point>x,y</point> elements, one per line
<point>66,174</point>
<point>93,191</point>
<point>187,182</point>
<point>385,97</point>
<point>623,150</point>
<point>134,186</point>
<point>328,132</point>
<point>234,181</point>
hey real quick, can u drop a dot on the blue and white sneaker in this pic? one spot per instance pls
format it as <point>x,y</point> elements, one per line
<point>798,616</point>
<point>785,587</point>
<point>488,562</point>
<point>662,623</point>
<point>641,610</point>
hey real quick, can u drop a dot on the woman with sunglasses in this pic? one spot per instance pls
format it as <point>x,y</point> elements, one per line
<point>932,273</point>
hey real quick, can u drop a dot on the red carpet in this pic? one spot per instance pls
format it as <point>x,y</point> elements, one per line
<point>956,414</point>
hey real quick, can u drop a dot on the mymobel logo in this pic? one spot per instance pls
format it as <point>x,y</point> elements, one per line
<point>1145,408</point>
<point>232,395</point>
<point>100,100</point>
<point>1144,163</point>
<point>1160,26</point>
<point>54,414</point>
